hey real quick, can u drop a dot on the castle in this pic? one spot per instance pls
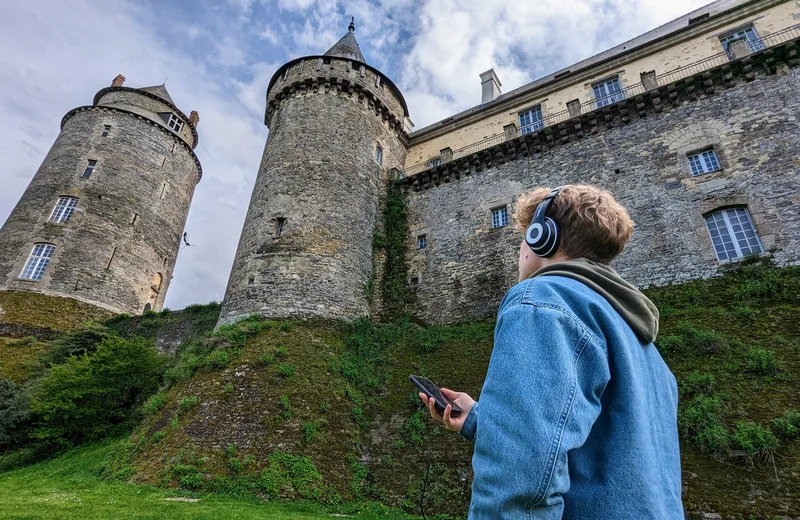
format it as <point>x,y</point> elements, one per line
<point>102,219</point>
<point>693,126</point>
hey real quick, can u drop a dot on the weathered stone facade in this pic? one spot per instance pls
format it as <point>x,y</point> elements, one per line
<point>637,149</point>
<point>118,249</point>
<point>306,248</point>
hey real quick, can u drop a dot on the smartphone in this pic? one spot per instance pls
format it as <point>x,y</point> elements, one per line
<point>427,387</point>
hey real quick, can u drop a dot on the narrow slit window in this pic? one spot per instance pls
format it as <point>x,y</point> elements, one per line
<point>704,162</point>
<point>37,261</point>
<point>111,258</point>
<point>64,209</point>
<point>106,130</point>
<point>733,234</point>
<point>163,190</point>
<point>134,219</point>
<point>89,169</point>
<point>499,217</point>
<point>422,242</point>
<point>280,223</point>
<point>379,155</point>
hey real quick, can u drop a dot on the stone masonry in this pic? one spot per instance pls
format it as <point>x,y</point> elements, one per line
<point>306,246</point>
<point>638,151</point>
<point>118,249</point>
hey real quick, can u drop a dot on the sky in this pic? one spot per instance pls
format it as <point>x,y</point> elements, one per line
<point>217,58</point>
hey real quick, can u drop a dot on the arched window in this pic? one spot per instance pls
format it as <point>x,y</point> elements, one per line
<point>379,155</point>
<point>733,233</point>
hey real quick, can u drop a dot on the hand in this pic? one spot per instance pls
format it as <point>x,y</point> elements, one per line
<point>463,401</point>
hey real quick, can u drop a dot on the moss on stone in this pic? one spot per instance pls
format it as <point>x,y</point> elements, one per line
<point>27,310</point>
<point>18,356</point>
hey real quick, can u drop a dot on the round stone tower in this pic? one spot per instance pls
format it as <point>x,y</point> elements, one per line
<point>103,217</point>
<point>335,129</point>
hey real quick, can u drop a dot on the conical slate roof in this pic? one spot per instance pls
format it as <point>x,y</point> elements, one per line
<point>347,47</point>
<point>160,91</point>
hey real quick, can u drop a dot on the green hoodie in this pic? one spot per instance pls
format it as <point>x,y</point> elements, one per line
<point>634,307</point>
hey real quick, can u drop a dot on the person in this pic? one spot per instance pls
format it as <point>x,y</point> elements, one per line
<point>578,413</point>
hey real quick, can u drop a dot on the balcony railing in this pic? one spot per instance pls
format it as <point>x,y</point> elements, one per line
<point>736,49</point>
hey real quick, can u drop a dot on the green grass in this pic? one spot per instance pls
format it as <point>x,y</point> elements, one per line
<point>69,487</point>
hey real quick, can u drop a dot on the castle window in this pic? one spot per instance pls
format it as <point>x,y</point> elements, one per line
<point>106,130</point>
<point>531,120</point>
<point>37,261</point>
<point>64,209</point>
<point>607,92</point>
<point>326,61</point>
<point>704,162</point>
<point>280,223</point>
<point>750,36</point>
<point>175,123</point>
<point>733,234</point>
<point>89,168</point>
<point>499,217</point>
<point>436,161</point>
<point>422,242</point>
<point>379,155</point>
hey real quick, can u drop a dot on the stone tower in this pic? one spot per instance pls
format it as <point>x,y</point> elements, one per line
<point>102,219</point>
<point>336,126</point>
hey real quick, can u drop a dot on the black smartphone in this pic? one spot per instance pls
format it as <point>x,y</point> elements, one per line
<point>427,387</point>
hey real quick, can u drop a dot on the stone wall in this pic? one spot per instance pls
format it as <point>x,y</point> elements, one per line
<point>130,216</point>
<point>752,125</point>
<point>319,173</point>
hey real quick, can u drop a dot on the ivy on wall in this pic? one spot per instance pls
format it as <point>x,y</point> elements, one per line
<point>395,290</point>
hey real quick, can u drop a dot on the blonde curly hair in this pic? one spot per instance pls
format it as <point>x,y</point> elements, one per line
<point>593,224</point>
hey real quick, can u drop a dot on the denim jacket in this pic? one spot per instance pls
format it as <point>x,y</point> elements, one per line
<point>577,417</point>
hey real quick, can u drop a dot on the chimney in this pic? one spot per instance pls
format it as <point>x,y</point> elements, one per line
<point>118,81</point>
<point>194,118</point>
<point>490,86</point>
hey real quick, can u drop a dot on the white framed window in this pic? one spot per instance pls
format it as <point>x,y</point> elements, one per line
<point>37,261</point>
<point>733,234</point>
<point>531,120</point>
<point>500,217</point>
<point>175,123</point>
<point>436,161</point>
<point>422,242</point>
<point>106,130</point>
<point>64,209</point>
<point>704,162</point>
<point>750,36</point>
<point>608,92</point>
<point>89,169</point>
<point>379,155</point>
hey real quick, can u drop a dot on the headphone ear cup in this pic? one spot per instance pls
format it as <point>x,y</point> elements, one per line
<point>550,239</point>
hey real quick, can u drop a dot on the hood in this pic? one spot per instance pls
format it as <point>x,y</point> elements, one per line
<point>634,307</point>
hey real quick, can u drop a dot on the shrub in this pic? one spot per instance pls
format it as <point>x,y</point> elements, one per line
<point>281,351</point>
<point>700,422</point>
<point>310,432</point>
<point>15,415</point>
<point>702,341</point>
<point>81,341</point>
<point>759,282</point>
<point>194,480</point>
<point>174,423</point>
<point>216,359</point>
<point>286,369</point>
<point>788,425</point>
<point>88,396</point>
<point>754,439</point>
<point>267,358</point>
<point>761,361</point>
<point>158,436</point>
<point>291,475</point>
<point>696,383</point>
<point>358,417</point>
<point>287,410</point>
<point>187,403</point>
<point>154,403</point>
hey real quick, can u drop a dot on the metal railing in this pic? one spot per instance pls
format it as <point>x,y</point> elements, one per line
<point>745,47</point>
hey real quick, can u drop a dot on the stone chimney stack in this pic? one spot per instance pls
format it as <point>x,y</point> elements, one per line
<point>118,81</point>
<point>194,118</point>
<point>490,86</point>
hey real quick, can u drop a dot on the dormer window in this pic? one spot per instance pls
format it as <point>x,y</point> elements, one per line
<point>172,121</point>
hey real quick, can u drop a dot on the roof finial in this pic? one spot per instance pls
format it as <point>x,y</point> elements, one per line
<point>352,27</point>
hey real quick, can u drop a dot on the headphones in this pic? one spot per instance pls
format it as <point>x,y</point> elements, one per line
<point>543,235</point>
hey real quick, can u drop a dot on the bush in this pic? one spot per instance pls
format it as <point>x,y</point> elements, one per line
<point>187,403</point>
<point>282,351</point>
<point>696,383</point>
<point>788,425</point>
<point>290,475</point>
<point>760,282</point>
<point>754,439</point>
<point>154,403</point>
<point>701,341</point>
<point>287,410</point>
<point>700,422</point>
<point>286,369</point>
<point>15,415</point>
<point>81,341</point>
<point>89,396</point>
<point>267,358</point>
<point>761,361</point>
<point>310,432</point>
<point>158,436</point>
<point>216,359</point>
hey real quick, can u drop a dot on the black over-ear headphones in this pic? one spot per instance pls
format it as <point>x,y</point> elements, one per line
<point>543,235</point>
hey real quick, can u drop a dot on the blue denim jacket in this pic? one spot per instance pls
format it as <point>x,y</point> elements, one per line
<point>577,417</point>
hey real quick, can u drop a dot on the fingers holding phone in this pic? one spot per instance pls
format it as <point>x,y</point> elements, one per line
<point>445,406</point>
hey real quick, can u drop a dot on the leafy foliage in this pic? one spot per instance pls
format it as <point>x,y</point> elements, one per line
<point>154,403</point>
<point>788,425</point>
<point>89,396</point>
<point>700,421</point>
<point>756,440</point>
<point>15,416</point>
<point>762,362</point>
<point>395,291</point>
